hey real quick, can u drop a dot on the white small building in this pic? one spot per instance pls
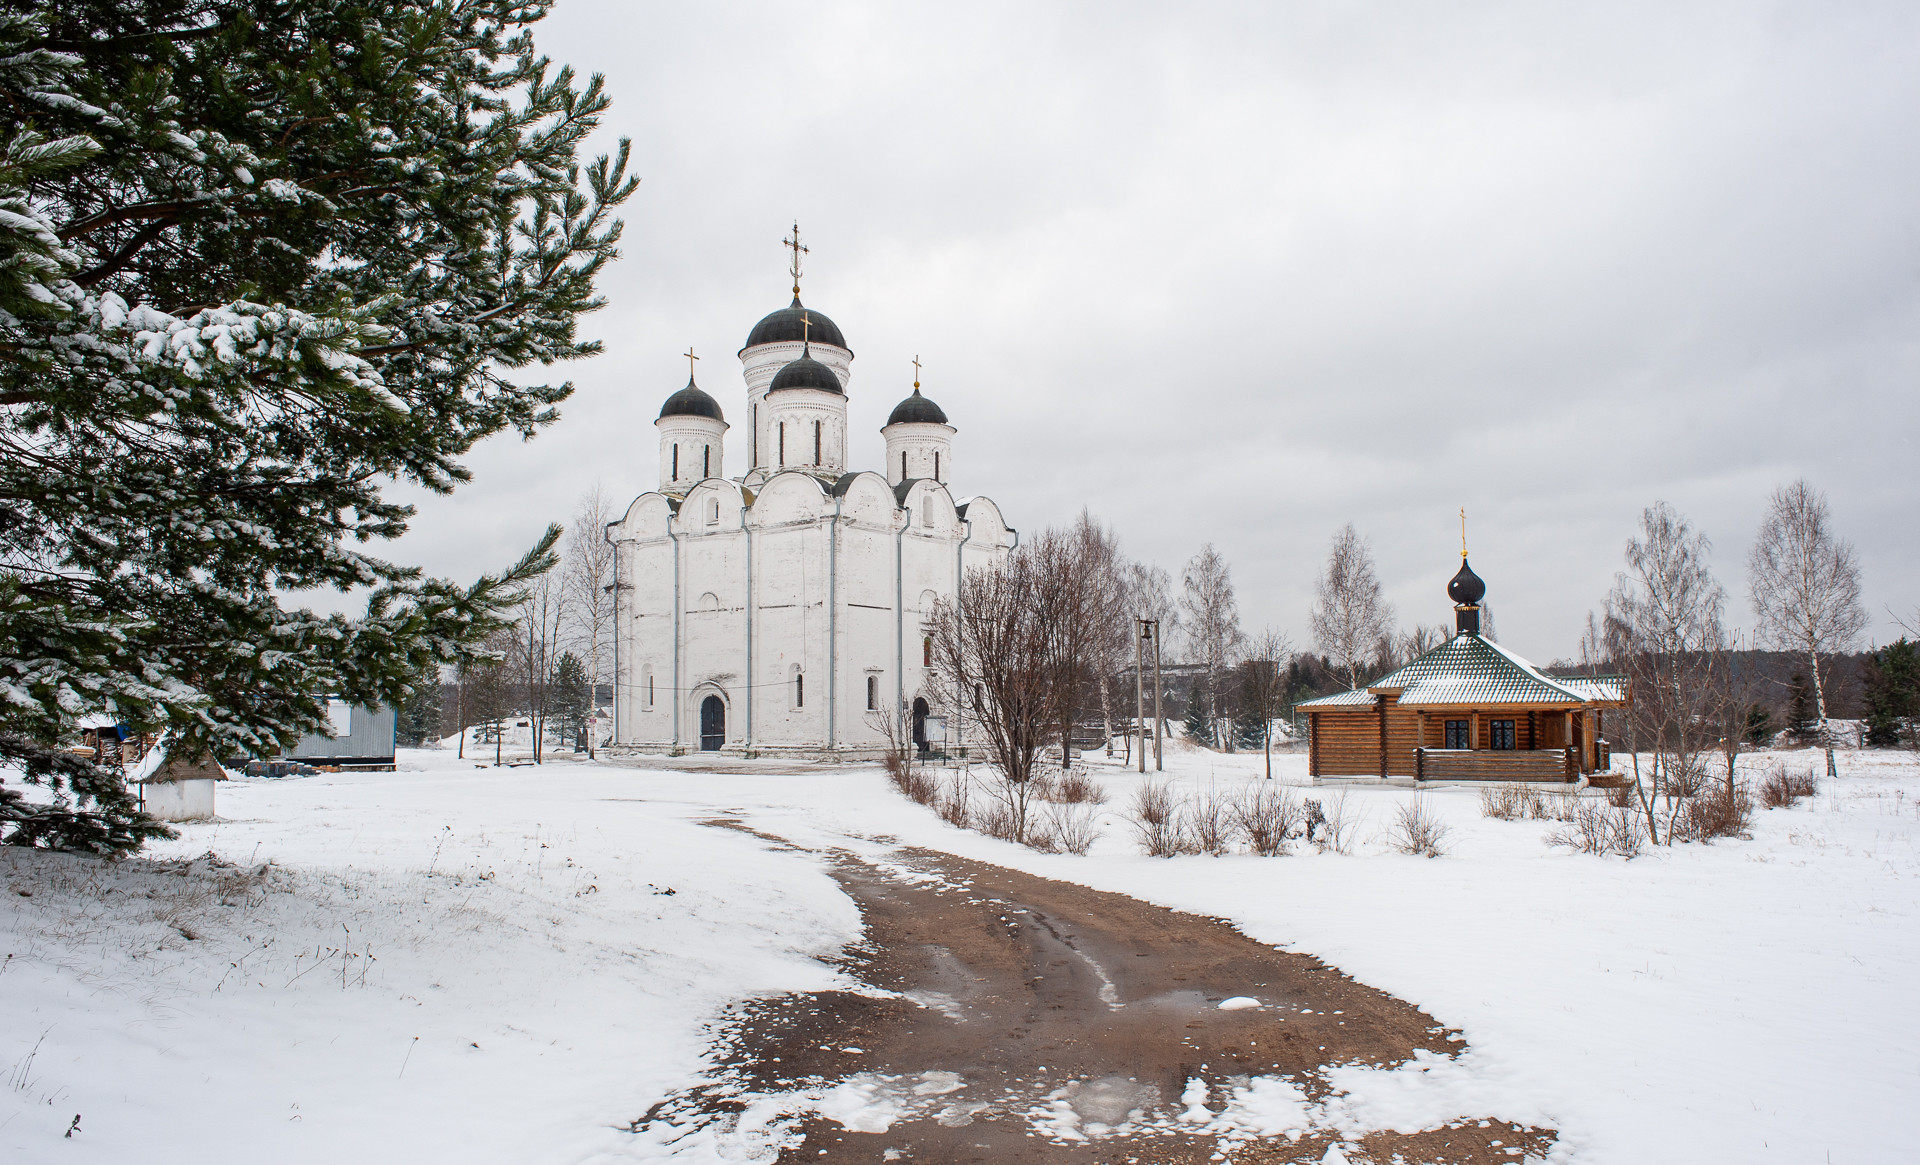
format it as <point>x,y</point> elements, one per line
<point>784,610</point>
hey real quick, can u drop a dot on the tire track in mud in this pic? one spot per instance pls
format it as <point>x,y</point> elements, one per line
<point>1012,1018</point>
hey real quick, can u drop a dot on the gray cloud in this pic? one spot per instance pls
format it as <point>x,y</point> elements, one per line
<point>1243,274</point>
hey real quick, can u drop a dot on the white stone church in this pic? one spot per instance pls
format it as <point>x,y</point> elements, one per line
<point>784,611</point>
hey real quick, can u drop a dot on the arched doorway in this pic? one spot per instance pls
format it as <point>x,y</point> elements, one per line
<point>713,724</point>
<point>920,725</point>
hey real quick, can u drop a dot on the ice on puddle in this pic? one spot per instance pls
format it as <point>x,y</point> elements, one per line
<point>1110,1100</point>
<point>1239,1003</point>
<point>938,1083</point>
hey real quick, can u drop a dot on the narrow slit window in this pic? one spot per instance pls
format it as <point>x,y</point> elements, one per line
<point>816,443</point>
<point>676,462</point>
<point>936,465</point>
<point>926,651</point>
<point>873,693</point>
<point>649,689</point>
<point>799,690</point>
<point>783,442</point>
<point>706,461</point>
<point>903,465</point>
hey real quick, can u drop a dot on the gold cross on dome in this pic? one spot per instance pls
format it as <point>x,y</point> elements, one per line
<point>1463,533</point>
<point>690,359</point>
<point>806,326</point>
<point>916,370</point>
<point>793,244</point>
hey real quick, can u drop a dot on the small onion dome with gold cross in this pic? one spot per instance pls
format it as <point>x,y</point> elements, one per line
<point>917,410</point>
<point>691,401</point>
<point>806,372</point>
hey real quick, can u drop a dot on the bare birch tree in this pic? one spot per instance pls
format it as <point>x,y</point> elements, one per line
<point>1805,585</point>
<point>1350,614</point>
<point>1210,615</point>
<point>1150,596</point>
<point>536,651</point>
<point>1663,623</point>
<point>586,565</point>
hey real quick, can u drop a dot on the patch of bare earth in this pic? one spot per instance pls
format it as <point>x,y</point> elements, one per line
<point>1018,1019</point>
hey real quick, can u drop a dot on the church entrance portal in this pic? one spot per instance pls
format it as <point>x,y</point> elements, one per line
<point>713,724</point>
<point>920,725</point>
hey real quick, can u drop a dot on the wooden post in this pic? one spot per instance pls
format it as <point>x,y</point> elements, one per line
<point>1380,703</point>
<point>1140,687</point>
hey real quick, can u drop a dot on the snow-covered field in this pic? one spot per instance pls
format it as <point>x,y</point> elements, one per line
<point>462,963</point>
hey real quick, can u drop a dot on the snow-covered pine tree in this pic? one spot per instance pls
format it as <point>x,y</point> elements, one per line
<point>257,259</point>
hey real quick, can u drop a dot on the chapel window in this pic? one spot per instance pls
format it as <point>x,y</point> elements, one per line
<point>816,443</point>
<point>1500,734</point>
<point>903,465</point>
<point>1457,734</point>
<point>649,689</point>
<point>936,465</point>
<point>873,693</point>
<point>926,651</point>
<point>676,462</point>
<point>799,690</point>
<point>713,511</point>
<point>926,512</point>
<point>706,461</point>
<point>783,442</point>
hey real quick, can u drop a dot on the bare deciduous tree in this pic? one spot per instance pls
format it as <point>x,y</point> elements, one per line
<point>1150,596</point>
<point>1263,682</point>
<point>536,651</point>
<point>586,565</point>
<point>992,657</point>
<point>1350,615</point>
<point>1805,585</point>
<point>1663,622</point>
<point>1085,606</point>
<point>1210,615</point>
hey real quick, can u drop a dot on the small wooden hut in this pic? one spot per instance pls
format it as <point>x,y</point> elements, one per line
<point>1469,710</point>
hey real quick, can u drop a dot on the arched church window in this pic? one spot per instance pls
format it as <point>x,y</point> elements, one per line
<point>676,461</point>
<point>926,651</point>
<point>783,443</point>
<point>649,690</point>
<point>706,460</point>
<point>936,465</point>
<point>903,465</point>
<point>873,693</point>
<point>816,443</point>
<point>799,690</point>
<point>713,511</point>
<point>926,512</point>
<point>979,695</point>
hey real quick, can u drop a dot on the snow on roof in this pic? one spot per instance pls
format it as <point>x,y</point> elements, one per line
<point>1470,669</point>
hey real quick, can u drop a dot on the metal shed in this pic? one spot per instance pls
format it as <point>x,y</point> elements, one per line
<point>362,738</point>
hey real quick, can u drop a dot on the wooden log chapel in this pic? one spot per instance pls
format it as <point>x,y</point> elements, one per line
<point>1467,711</point>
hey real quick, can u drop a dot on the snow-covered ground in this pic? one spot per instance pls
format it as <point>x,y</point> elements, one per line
<point>455,962</point>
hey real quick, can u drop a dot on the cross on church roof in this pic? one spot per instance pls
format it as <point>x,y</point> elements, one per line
<point>1463,532</point>
<point>916,370</point>
<point>793,244</point>
<point>690,359</point>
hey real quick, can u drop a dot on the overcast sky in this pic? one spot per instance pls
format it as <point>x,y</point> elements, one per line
<point>1243,274</point>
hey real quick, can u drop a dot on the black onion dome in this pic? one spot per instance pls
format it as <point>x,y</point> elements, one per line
<point>691,402</point>
<point>917,410</point>
<point>806,372</point>
<point>1466,589</point>
<point>787,325</point>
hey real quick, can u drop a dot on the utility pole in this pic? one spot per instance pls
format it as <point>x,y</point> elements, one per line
<point>1139,731</point>
<point>1158,687</point>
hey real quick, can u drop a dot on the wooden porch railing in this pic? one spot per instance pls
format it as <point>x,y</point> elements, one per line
<point>1457,764</point>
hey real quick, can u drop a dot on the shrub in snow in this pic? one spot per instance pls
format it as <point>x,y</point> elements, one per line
<point>1158,821</point>
<point>1601,830</point>
<point>1779,789</point>
<point>1210,820</point>
<point>1416,830</point>
<point>1268,817</point>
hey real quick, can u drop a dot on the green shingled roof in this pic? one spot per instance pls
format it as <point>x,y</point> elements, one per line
<point>1468,669</point>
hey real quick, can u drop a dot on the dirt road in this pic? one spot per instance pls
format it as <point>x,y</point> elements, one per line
<point>1018,1019</point>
